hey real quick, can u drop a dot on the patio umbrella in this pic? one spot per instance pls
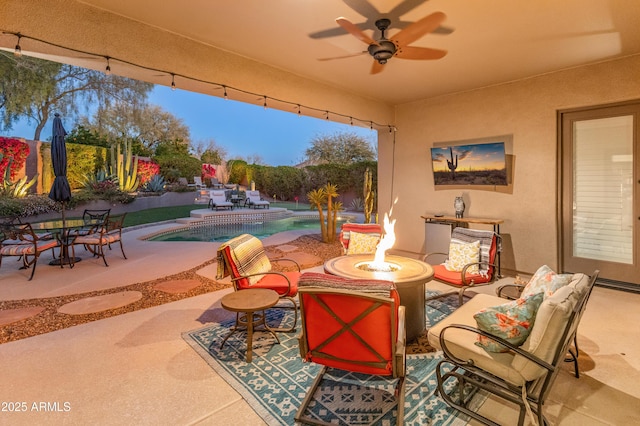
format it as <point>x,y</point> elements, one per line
<point>60,190</point>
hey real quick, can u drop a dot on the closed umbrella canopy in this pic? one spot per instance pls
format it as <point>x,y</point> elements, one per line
<point>60,190</point>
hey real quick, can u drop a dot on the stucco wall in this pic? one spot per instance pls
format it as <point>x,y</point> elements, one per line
<point>526,109</point>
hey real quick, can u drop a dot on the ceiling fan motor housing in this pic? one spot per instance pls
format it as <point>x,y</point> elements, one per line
<point>383,51</point>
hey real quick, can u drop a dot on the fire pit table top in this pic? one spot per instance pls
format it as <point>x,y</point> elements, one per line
<point>409,270</point>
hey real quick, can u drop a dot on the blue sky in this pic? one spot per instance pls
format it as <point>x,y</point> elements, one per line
<point>279,138</point>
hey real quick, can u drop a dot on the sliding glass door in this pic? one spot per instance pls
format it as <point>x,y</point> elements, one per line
<point>600,191</point>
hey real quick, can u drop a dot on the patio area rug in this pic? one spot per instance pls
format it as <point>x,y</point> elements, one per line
<point>275,383</point>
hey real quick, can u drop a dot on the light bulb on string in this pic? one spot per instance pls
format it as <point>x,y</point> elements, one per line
<point>371,125</point>
<point>351,120</point>
<point>107,70</point>
<point>173,82</point>
<point>18,50</point>
<point>299,111</point>
<point>265,103</point>
<point>226,97</point>
<point>327,115</point>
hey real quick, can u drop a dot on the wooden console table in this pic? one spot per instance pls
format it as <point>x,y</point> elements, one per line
<point>452,220</point>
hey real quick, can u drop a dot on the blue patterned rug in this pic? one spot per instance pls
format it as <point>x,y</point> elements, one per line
<point>275,383</point>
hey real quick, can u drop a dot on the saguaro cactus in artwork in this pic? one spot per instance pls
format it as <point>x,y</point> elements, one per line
<point>125,166</point>
<point>369,195</point>
<point>452,165</point>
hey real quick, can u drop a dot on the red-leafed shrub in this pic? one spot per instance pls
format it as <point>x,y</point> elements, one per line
<point>12,148</point>
<point>146,170</point>
<point>208,171</point>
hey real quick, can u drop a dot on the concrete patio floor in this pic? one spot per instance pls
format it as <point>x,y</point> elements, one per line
<point>136,369</point>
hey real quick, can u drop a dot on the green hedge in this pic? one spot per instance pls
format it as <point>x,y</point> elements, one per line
<point>287,182</point>
<point>81,160</point>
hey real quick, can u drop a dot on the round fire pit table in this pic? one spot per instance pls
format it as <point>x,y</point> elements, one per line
<point>410,278</point>
<point>249,306</point>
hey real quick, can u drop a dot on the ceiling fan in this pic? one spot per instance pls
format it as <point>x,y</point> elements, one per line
<point>397,45</point>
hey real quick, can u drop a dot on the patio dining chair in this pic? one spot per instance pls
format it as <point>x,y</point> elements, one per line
<point>244,259</point>
<point>20,240</point>
<point>351,325</point>
<point>91,216</point>
<point>100,236</point>
<point>470,261</point>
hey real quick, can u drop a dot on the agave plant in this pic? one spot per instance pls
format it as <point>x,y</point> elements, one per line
<point>90,181</point>
<point>155,184</point>
<point>17,189</point>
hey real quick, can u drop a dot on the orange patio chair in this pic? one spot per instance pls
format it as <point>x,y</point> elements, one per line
<point>471,261</point>
<point>352,325</point>
<point>244,259</point>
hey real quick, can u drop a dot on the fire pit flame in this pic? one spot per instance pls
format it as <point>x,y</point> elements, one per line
<point>386,242</point>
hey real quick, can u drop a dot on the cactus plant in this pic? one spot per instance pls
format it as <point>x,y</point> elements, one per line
<point>452,165</point>
<point>320,197</point>
<point>369,195</point>
<point>125,166</point>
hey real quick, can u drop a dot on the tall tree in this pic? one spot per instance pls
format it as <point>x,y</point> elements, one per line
<point>149,124</point>
<point>33,88</point>
<point>210,152</point>
<point>339,148</point>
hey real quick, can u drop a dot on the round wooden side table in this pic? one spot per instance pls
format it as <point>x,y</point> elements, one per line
<point>249,306</point>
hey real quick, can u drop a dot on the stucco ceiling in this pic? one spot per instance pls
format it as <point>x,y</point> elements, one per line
<point>488,41</point>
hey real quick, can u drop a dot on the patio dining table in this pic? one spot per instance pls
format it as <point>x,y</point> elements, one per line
<point>61,229</point>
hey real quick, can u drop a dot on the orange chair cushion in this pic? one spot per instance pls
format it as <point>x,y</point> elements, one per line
<point>276,282</point>
<point>455,278</point>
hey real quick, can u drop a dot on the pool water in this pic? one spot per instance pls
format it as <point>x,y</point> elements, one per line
<point>226,231</point>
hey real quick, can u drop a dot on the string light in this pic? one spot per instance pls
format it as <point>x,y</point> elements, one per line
<point>18,52</point>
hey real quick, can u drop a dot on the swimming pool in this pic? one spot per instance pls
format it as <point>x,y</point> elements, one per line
<point>225,231</point>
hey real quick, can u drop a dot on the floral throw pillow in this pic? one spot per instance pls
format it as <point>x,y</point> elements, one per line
<point>461,255</point>
<point>362,243</point>
<point>511,321</point>
<point>545,281</point>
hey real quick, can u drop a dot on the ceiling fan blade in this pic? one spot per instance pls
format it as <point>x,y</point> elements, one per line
<point>418,29</point>
<point>377,67</point>
<point>355,31</point>
<point>413,52</point>
<point>343,57</point>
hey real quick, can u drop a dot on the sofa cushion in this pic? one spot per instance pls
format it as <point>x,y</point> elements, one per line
<point>545,280</point>
<point>511,321</point>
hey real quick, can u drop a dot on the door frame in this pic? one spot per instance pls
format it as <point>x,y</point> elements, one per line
<point>565,165</point>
